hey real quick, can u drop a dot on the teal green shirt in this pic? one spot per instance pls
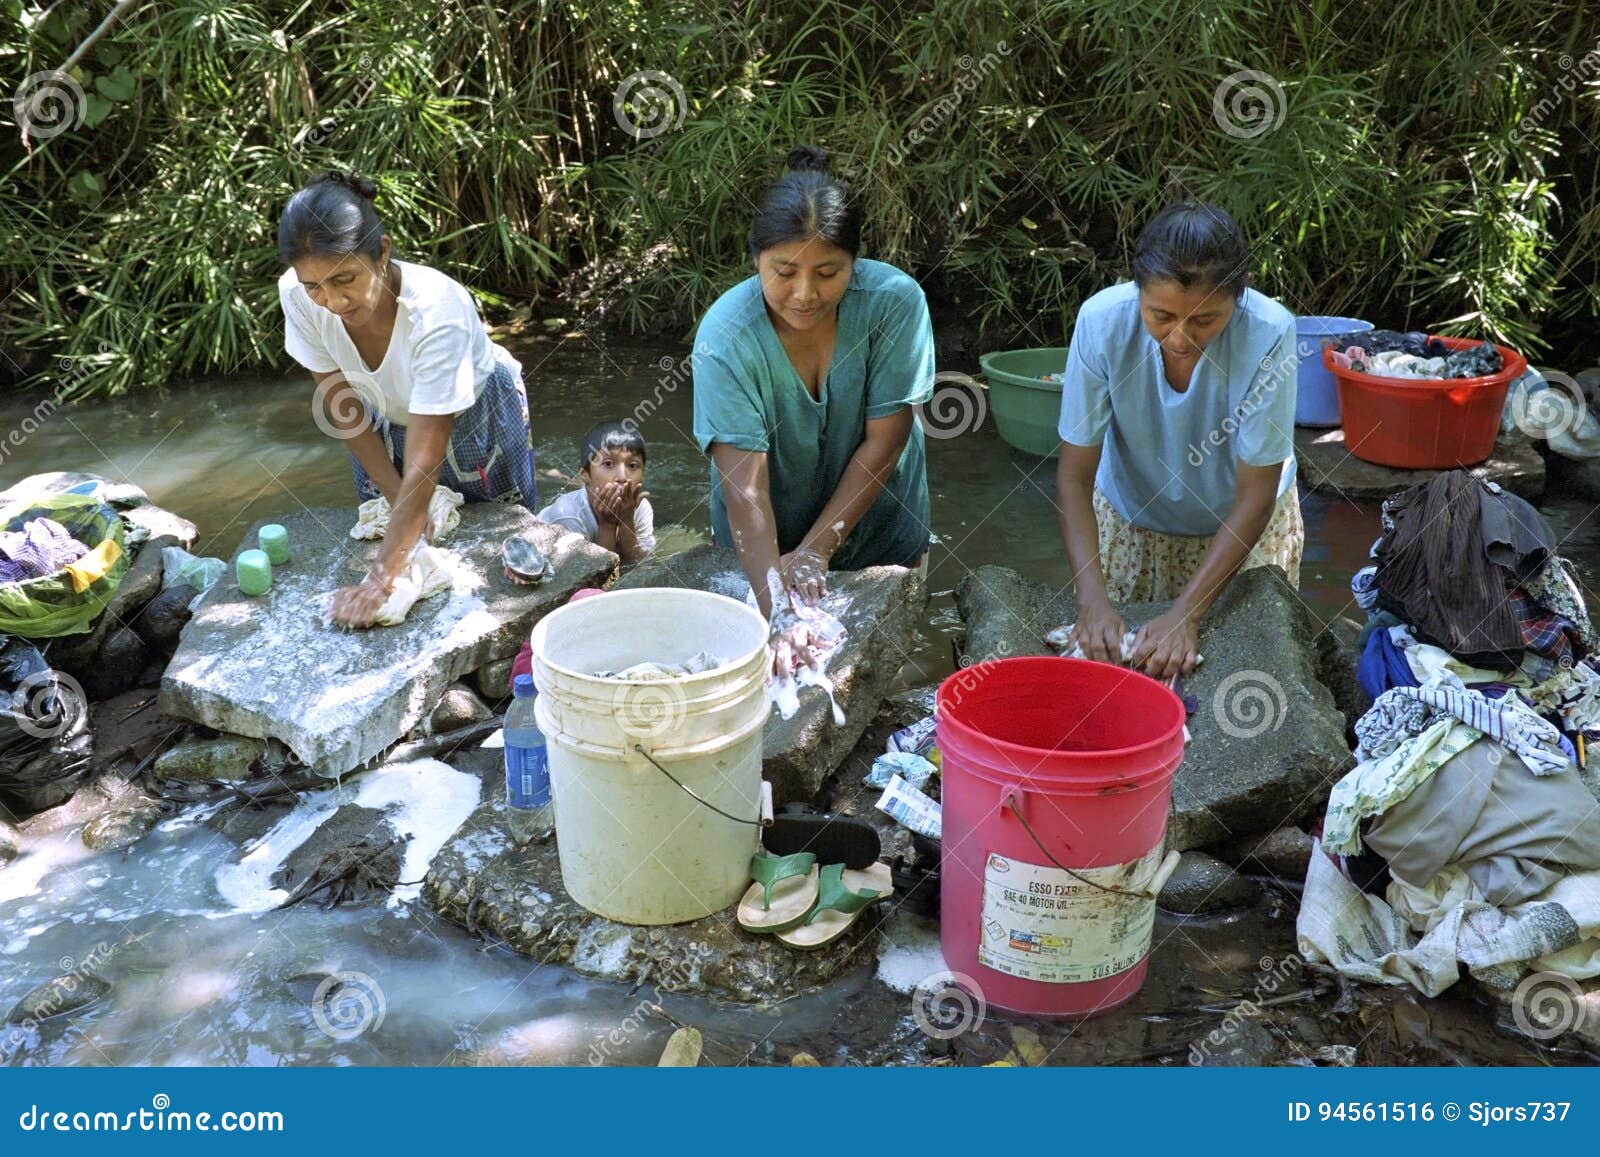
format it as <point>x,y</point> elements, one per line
<point>747,394</point>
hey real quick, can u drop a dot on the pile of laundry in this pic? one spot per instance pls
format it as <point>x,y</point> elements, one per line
<point>697,664</point>
<point>1469,832</point>
<point>40,548</point>
<point>1391,354</point>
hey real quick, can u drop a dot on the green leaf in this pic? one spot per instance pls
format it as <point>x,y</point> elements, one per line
<point>96,109</point>
<point>86,186</point>
<point>119,86</point>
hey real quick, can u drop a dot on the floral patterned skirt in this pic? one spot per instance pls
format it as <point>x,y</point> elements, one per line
<point>1147,566</point>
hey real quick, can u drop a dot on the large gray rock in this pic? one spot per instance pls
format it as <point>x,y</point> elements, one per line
<point>1202,884</point>
<point>515,896</point>
<point>1267,743</point>
<point>1284,854</point>
<point>268,667</point>
<point>1326,465</point>
<point>879,607</point>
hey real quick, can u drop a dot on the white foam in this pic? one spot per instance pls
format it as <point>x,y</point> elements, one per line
<point>909,952</point>
<point>430,800</point>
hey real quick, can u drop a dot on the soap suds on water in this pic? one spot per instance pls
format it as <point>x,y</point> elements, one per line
<point>430,800</point>
<point>909,952</point>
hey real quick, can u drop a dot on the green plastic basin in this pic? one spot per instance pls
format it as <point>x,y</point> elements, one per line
<point>1027,410</point>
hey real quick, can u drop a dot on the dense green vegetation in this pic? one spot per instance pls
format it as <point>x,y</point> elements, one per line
<point>1420,162</point>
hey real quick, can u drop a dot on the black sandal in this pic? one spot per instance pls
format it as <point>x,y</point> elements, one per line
<point>833,839</point>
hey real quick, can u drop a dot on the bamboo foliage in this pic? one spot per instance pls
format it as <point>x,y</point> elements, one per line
<point>1420,162</point>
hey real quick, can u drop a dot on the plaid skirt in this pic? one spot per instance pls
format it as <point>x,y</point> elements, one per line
<point>1147,566</point>
<point>490,457</point>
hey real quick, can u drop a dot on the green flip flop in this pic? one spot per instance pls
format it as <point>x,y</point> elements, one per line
<point>784,892</point>
<point>842,896</point>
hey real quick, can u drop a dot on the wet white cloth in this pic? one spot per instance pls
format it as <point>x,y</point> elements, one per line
<point>427,573</point>
<point>1062,642</point>
<point>444,514</point>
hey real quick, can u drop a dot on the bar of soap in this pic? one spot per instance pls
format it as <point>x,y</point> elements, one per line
<point>254,570</point>
<point>274,539</point>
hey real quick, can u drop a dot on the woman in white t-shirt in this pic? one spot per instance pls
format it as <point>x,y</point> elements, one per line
<point>406,374</point>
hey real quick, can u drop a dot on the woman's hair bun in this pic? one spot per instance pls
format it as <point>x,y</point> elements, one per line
<point>356,183</point>
<point>804,158</point>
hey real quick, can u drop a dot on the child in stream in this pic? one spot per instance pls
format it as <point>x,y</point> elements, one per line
<point>613,508</point>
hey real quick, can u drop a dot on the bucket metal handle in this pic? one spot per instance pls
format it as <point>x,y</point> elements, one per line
<point>766,803</point>
<point>1012,796</point>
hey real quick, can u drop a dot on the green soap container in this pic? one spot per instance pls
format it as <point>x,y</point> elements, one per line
<point>254,572</point>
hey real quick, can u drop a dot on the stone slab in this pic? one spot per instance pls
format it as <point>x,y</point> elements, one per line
<point>1327,466</point>
<point>268,667</point>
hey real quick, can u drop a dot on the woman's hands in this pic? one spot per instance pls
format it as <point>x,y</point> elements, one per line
<point>1168,646</point>
<point>805,571</point>
<point>358,606</point>
<point>1099,632</point>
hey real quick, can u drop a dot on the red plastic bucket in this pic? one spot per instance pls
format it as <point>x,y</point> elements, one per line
<point>1418,424</point>
<point>1057,778</point>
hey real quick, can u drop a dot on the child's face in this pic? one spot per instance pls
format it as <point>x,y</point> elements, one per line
<point>613,466</point>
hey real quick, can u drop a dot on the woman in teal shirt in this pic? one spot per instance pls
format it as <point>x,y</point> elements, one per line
<point>805,376</point>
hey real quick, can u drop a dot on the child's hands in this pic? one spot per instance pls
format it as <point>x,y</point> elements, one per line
<point>616,502</point>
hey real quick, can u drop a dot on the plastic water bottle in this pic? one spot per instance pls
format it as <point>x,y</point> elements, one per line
<point>529,813</point>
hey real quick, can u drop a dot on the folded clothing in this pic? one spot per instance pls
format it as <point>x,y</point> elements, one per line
<point>40,549</point>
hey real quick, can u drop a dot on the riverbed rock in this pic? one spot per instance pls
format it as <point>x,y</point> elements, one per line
<point>1285,854</point>
<point>10,842</point>
<point>353,856</point>
<point>493,680</point>
<point>269,667</point>
<point>458,707</point>
<point>120,828</point>
<point>163,619</point>
<point>516,897</point>
<point>58,996</point>
<point>118,665</point>
<point>1326,465</point>
<point>1236,1043</point>
<point>1203,884</point>
<point>879,607</point>
<point>224,759</point>
<point>1267,743</point>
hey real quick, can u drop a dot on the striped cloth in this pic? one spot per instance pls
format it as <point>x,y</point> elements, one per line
<point>41,548</point>
<point>1508,719</point>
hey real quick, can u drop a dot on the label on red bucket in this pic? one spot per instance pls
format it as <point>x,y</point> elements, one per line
<point>1045,924</point>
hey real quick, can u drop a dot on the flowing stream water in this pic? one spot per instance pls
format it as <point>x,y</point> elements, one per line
<point>197,975</point>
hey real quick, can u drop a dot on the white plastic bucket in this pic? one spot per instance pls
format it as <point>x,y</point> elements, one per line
<point>635,846</point>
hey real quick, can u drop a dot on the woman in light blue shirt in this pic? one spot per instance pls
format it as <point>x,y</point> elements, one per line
<point>1177,461</point>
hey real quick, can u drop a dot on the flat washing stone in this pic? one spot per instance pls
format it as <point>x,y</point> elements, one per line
<point>268,667</point>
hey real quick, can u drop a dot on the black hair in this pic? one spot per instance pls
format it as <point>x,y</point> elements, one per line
<point>610,436</point>
<point>1195,245</point>
<point>806,202</point>
<point>331,217</point>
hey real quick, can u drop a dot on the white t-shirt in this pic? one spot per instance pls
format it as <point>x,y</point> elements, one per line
<point>572,510</point>
<point>438,359</point>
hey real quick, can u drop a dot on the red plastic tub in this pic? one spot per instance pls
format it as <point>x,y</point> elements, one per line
<point>1416,424</point>
<point>1057,778</point>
